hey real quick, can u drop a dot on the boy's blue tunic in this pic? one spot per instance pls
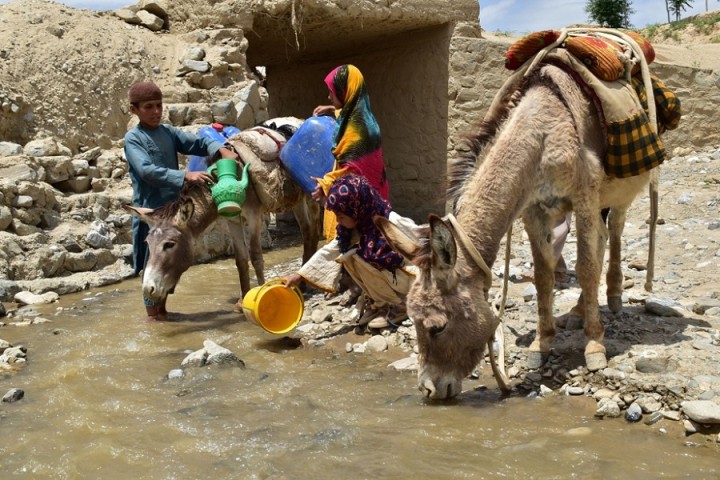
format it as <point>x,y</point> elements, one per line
<point>154,172</point>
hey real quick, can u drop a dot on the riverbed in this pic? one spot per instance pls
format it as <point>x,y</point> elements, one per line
<point>99,404</point>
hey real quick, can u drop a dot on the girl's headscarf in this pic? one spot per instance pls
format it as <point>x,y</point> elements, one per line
<point>357,140</point>
<point>353,196</point>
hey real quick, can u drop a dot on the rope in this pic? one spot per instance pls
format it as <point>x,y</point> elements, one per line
<point>497,364</point>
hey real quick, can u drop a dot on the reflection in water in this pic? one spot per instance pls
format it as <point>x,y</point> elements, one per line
<point>98,404</point>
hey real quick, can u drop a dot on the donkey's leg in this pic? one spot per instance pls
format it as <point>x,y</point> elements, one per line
<point>236,227</point>
<point>254,219</point>
<point>590,235</point>
<point>306,213</point>
<point>614,278</point>
<point>538,227</point>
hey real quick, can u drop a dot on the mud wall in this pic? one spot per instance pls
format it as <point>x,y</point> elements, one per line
<point>407,78</point>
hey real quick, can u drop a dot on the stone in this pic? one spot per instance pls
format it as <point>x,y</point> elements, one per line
<point>377,343</point>
<point>633,413</point>
<point>702,411</point>
<point>150,21</point>
<point>607,407</point>
<point>29,298</point>
<point>217,355</point>
<point>127,16</point>
<point>13,395</point>
<point>663,307</point>
<point>8,149</point>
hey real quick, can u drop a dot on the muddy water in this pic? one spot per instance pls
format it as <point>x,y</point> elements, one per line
<point>98,405</point>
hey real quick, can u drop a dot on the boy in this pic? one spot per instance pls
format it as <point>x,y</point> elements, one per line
<point>151,151</point>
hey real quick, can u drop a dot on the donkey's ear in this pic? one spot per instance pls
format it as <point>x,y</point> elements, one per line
<point>184,214</point>
<point>144,214</point>
<point>398,240</point>
<point>444,252</point>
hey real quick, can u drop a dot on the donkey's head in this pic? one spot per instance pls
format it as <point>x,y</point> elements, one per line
<point>452,319</point>
<point>170,248</point>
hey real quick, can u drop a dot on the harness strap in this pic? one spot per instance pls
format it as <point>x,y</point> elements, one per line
<point>467,243</point>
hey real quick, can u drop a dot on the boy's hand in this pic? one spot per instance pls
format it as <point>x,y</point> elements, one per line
<point>199,177</point>
<point>227,153</point>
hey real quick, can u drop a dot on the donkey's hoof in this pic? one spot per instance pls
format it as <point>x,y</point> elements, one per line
<point>595,361</point>
<point>537,359</point>
<point>615,304</point>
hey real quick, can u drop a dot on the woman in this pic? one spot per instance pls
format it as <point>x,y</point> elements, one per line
<point>361,249</point>
<point>356,144</point>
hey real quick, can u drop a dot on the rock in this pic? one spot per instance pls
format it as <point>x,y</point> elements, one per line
<point>217,355</point>
<point>529,293</point>
<point>29,298</point>
<point>13,355</point>
<point>127,16</point>
<point>633,413</point>
<point>649,404</point>
<point>176,373</point>
<point>663,307</point>
<point>652,364</point>
<point>195,359</point>
<point>377,343</point>
<point>409,363</point>
<point>13,395</point>
<point>150,21</point>
<point>702,305</point>
<point>654,418</point>
<point>8,149</point>
<point>607,407</point>
<point>702,411</point>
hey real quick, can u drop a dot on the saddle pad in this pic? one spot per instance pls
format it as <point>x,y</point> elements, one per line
<point>633,147</point>
<point>598,55</point>
<point>602,56</point>
<point>526,48</point>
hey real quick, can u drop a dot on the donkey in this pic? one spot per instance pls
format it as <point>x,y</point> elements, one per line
<point>538,156</point>
<point>175,226</point>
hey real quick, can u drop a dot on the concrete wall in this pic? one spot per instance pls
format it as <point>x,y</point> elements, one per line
<point>407,79</point>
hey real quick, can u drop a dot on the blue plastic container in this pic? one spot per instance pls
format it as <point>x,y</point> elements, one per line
<point>216,132</point>
<point>308,153</point>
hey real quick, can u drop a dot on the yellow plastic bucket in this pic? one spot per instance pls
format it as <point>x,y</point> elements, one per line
<point>276,308</point>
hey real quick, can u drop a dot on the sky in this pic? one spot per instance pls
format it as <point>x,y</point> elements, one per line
<point>511,16</point>
<point>525,16</point>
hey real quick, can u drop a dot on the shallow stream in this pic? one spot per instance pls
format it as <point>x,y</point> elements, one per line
<point>98,405</point>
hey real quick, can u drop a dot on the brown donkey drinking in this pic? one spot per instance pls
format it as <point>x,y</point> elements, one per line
<point>174,227</point>
<point>537,156</point>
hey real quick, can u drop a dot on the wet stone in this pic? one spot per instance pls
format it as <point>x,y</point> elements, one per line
<point>633,413</point>
<point>377,343</point>
<point>13,395</point>
<point>607,407</point>
<point>654,418</point>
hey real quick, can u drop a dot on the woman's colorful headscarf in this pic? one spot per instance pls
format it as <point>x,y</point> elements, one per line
<point>353,196</point>
<point>356,144</point>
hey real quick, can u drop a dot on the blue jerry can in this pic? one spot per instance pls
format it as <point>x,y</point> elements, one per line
<point>308,153</point>
<point>216,132</point>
